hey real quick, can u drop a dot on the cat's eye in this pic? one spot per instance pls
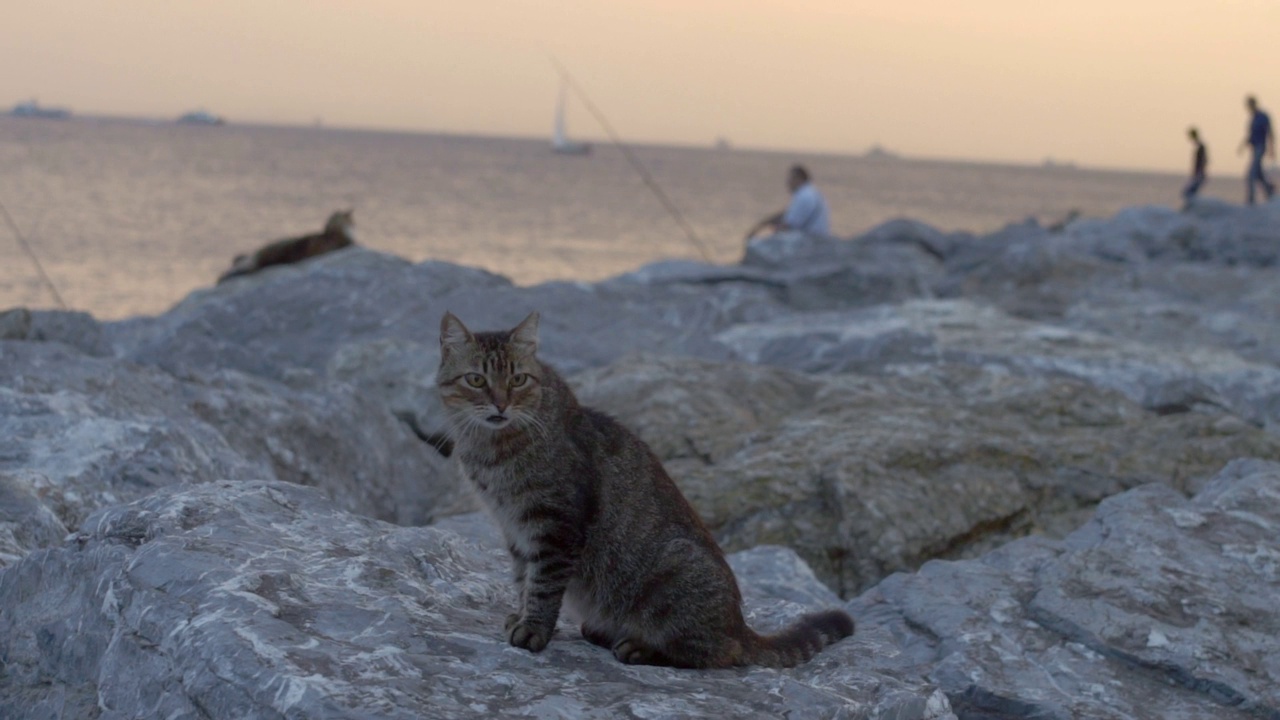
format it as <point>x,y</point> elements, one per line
<point>519,379</point>
<point>475,380</point>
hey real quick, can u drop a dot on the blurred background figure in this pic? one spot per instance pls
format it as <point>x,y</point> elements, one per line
<point>1199,164</point>
<point>1261,141</point>
<point>807,211</point>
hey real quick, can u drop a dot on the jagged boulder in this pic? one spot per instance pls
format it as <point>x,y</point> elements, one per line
<point>1028,272</point>
<point>1164,379</point>
<point>77,329</point>
<point>78,433</point>
<point>868,475</point>
<point>1241,236</point>
<point>811,272</point>
<point>302,317</point>
<point>1159,607</point>
<point>25,522</point>
<point>694,413</point>
<point>262,599</point>
<point>1186,306</point>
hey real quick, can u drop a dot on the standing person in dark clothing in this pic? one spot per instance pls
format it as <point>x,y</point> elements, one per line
<point>1260,141</point>
<point>1199,163</point>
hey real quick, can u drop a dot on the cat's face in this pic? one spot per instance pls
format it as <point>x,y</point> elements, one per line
<point>343,220</point>
<point>489,381</point>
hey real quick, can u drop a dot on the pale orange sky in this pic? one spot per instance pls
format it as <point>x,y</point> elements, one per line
<point>1109,83</point>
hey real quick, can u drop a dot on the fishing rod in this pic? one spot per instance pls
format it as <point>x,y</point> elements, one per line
<point>633,160</point>
<point>22,242</point>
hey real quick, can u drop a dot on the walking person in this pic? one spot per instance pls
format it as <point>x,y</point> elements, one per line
<point>1261,141</point>
<point>1199,164</point>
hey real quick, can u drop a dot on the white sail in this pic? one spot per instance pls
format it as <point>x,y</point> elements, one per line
<point>558,137</point>
<point>560,141</point>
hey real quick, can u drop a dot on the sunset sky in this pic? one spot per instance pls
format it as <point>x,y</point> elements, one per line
<point>1111,83</point>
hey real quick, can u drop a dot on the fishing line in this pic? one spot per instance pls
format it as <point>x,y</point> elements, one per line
<point>633,160</point>
<point>22,242</point>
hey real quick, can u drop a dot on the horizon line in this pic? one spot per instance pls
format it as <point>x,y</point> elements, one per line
<point>892,155</point>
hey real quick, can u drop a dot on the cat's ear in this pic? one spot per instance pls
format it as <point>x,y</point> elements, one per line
<point>453,334</point>
<point>525,335</point>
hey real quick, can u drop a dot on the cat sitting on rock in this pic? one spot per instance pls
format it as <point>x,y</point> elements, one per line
<point>592,520</point>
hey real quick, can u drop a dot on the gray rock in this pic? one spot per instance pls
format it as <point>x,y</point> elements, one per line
<point>25,522</point>
<point>399,374</point>
<point>1210,207</point>
<point>79,433</point>
<point>1160,607</point>
<point>1210,233</point>
<point>15,324</point>
<point>301,317</point>
<point>1167,279</point>
<point>694,410</point>
<point>933,241</point>
<point>77,329</point>
<point>864,476</point>
<point>1188,306</point>
<point>1029,272</point>
<point>681,272</point>
<point>791,248</point>
<point>956,331</point>
<point>261,599</point>
<point>810,272</point>
<point>871,429</point>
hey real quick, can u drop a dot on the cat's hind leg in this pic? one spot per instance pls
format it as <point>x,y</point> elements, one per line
<point>596,636</point>
<point>634,651</point>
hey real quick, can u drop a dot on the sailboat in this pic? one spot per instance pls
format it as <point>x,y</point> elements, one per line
<point>560,142</point>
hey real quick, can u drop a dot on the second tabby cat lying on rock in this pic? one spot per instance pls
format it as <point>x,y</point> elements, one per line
<point>339,232</point>
<point>593,521</point>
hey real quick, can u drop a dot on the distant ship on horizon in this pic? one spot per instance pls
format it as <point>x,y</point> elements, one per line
<point>201,117</point>
<point>877,152</point>
<point>32,109</point>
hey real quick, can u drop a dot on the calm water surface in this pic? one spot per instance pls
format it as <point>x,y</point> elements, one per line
<point>128,216</point>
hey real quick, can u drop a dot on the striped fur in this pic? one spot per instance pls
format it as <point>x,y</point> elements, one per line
<point>593,522</point>
<point>339,232</point>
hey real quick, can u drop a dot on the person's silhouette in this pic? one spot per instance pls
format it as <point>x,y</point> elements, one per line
<point>1199,164</point>
<point>807,211</point>
<point>1261,141</point>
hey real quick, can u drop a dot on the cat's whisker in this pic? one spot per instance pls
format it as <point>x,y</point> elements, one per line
<point>474,426</point>
<point>532,422</point>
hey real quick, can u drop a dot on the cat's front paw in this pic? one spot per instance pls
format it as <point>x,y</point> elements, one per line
<point>521,634</point>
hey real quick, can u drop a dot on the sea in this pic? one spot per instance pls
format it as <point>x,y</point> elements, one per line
<point>126,217</point>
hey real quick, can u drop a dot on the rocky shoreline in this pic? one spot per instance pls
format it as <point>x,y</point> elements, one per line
<point>1038,466</point>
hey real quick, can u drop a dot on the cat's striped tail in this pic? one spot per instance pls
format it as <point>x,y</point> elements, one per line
<point>800,641</point>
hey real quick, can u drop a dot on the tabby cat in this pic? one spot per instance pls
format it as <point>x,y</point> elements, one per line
<point>339,232</point>
<point>593,521</point>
